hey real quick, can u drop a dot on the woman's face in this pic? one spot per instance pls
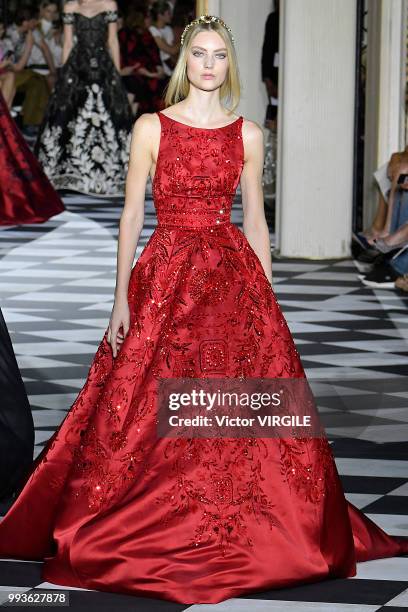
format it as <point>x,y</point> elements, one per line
<point>166,16</point>
<point>207,61</point>
<point>50,12</point>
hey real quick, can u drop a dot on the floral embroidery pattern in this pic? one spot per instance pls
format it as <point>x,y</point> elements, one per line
<point>200,306</point>
<point>308,467</point>
<point>226,492</point>
<point>84,142</point>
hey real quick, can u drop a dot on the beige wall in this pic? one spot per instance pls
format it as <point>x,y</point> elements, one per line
<point>247,21</point>
<point>316,122</point>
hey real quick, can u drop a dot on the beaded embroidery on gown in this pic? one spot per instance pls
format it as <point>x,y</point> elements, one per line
<point>84,140</point>
<point>108,505</point>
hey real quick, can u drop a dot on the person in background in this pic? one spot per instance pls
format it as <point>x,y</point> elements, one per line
<point>163,35</point>
<point>33,85</point>
<point>388,234</point>
<point>269,63</point>
<point>142,71</point>
<point>49,15</point>
<point>26,194</point>
<point>379,229</point>
<point>84,140</point>
<point>55,42</point>
<point>7,76</point>
<point>182,13</point>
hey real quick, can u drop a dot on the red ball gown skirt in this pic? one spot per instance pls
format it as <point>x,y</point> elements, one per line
<point>26,194</point>
<point>111,506</point>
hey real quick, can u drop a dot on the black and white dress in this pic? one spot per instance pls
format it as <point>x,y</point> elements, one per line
<point>84,141</point>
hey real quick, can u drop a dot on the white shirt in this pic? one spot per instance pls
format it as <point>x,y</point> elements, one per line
<point>36,55</point>
<point>168,36</point>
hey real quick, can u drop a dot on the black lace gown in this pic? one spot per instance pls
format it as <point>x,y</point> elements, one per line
<point>84,141</point>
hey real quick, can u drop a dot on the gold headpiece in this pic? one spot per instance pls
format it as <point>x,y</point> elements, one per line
<point>205,19</point>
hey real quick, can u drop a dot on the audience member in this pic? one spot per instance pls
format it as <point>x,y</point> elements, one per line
<point>32,84</point>
<point>163,35</point>
<point>142,70</point>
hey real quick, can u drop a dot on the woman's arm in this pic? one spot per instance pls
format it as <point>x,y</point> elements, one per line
<point>164,46</point>
<point>68,41</point>
<point>255,226</point>
<point>113,44</point>
<point>131,222</point>
<point>21,64</point>
<point>47,54</point>
<point>113,39</point>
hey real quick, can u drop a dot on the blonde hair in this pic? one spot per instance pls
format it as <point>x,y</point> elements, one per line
<point>179,85</point>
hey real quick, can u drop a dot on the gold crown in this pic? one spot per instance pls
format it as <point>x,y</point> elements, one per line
<point>205,19</point>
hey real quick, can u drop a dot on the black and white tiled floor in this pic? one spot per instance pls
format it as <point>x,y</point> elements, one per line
<point>56,286</point>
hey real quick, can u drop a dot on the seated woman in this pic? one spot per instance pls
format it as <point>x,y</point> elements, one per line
<point>32,85</point>
<point>385,229</point>
<point>142,72</point>
<point>394,232</point>
<point>388,233</point>
<point>164,35</point>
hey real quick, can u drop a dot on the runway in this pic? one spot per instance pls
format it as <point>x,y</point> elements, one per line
<point>57,281</point>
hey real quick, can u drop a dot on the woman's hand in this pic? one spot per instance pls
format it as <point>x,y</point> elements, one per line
<point>120,318</point>
<point>128,70</point>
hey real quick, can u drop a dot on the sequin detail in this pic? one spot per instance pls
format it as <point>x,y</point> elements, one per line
<point>226,494</point>
<point>200,306</point>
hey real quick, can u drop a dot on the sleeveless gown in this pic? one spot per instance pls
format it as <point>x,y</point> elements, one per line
<point>109,505</point>
<point>84,140</point>
<point>26,194</point>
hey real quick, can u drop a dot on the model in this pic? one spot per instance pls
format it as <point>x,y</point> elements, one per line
<point>84,140</point>
<point>112,506</point>
<point>26,194</point>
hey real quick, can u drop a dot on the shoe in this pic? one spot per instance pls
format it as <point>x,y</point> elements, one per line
<point>382,246</point>
<point>369,256</point>
<point>358,252</point>
<point>361,240</point>
<point>381,277</point>
<point>363,268</point>
<point>356,249</point>
<point>367,261</point>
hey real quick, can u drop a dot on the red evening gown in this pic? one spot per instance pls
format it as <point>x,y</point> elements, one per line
<point>26,194</point>
<point>109,505</point>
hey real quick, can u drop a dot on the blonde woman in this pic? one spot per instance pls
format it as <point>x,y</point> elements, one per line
<point>113,505</point>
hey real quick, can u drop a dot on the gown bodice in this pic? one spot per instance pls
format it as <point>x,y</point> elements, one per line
<point>91,32</point>
<point>197,173</point>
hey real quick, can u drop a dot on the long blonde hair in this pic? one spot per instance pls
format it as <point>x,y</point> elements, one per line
<point>179,85</point>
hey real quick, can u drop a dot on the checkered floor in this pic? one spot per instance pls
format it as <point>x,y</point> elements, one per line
<point>57,281</point>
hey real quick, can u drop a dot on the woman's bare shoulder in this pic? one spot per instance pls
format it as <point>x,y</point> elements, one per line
<point>251,129</point>
<point>146,130</point>
<point>147,122</point>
